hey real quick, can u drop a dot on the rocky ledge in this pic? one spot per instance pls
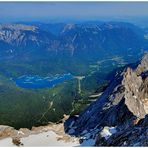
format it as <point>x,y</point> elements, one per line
<point>50,135</point>
<point>119,113</point>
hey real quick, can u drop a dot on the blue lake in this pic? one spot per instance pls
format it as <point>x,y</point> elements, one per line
<point>36,82</point>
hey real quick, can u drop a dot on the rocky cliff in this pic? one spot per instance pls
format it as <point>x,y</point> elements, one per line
<point>133,136</point>
<point>117,111</point>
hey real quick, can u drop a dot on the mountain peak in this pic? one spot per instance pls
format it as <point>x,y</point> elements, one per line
<point>68,27</point>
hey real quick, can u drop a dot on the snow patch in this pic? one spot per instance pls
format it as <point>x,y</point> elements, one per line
<point>108,131</point>
<point>43,139</point>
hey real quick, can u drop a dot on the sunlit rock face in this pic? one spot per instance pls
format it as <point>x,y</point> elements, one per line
<point>142,69</point>
<point>132,94</point>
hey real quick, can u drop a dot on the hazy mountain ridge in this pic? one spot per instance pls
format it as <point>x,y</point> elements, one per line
<point>84,40</point>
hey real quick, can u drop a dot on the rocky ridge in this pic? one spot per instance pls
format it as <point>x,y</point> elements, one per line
<point>133,136</point>
<point>72,39</point>
<point>17,136</point>
<point>118,112</point>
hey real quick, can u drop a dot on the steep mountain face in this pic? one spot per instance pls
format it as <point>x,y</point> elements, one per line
<point>136,135</point>
<point>99,39</point>
<point>19,34</point>
<point>85,40</point>
<point>121,106</point>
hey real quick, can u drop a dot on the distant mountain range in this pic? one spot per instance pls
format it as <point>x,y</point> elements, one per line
<point>88,40</point>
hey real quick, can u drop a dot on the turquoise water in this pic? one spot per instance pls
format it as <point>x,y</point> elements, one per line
<point>36,82</point>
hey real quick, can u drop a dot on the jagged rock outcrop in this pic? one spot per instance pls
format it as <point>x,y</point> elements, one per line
<point>143,66</point>
<point>6,131</point>
<point>133,136</point>
<point>48,135</point>
<point>133,101</point>
<point>122,104</point>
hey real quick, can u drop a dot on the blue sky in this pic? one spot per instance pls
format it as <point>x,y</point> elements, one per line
<point>22,11</point>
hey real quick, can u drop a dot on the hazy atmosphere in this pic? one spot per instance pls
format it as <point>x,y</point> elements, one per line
<point>20,11</point>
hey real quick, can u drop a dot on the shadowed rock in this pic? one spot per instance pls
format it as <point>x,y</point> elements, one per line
<point>133,136</point>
